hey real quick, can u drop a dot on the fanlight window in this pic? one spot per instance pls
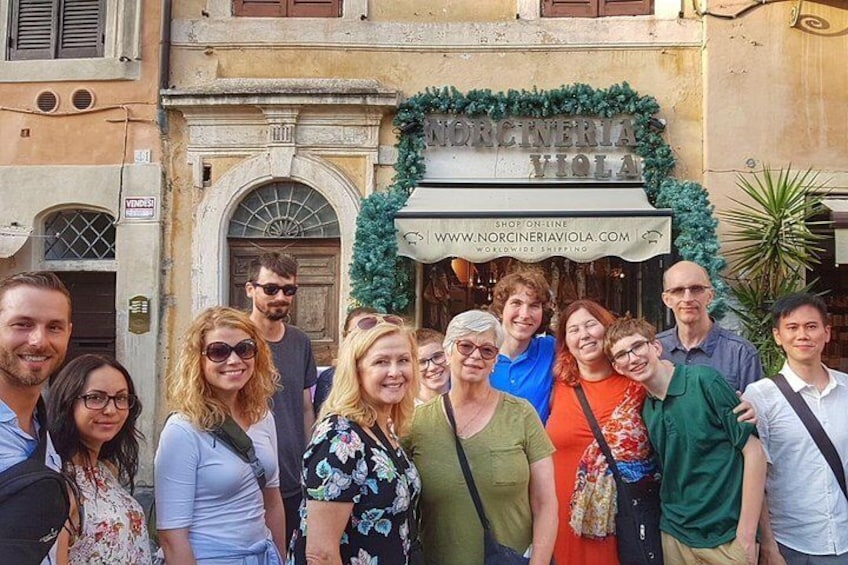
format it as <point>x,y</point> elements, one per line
<point>79,234</point>
<point>284,210</point>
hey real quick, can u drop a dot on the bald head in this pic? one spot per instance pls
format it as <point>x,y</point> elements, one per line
<point>688,270</point>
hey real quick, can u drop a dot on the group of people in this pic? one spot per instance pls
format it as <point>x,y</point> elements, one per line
<point>424,448</point>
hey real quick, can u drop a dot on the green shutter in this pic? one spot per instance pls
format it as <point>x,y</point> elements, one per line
<point>32,29</point>
<point>81,26</point>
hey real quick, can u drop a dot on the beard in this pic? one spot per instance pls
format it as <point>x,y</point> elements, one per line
<point>276,311</point>
<point>12,371</point>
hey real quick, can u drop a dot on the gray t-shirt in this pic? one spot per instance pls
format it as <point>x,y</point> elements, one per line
<point>294,360</point>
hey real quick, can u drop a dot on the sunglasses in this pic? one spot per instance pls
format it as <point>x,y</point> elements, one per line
<point>369,322</point>
<point>467,348</point>
<point>272,289</point>
<point>218,351</point>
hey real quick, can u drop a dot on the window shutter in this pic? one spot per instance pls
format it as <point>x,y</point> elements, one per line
<point>626,7</point>
<point>81,29</point>
<point>32,29</point>
<point>570,8</point>
<point>314,8</point>
<point>259,8</point>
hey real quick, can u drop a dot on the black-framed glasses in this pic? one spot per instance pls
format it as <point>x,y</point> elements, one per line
<point>467,348</point>
<point>371,321</point>
<point>638,348</point>
<point>437,359</point>
<point>695,290</point>
<point>218,351</point>
<point>271,289</point>
<point>98,400</point>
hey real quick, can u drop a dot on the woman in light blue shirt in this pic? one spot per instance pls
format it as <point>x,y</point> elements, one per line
<point>212,506</point>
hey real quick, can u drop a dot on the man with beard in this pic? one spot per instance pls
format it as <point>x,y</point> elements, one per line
<point>35,327</point>
<point>272,287</point>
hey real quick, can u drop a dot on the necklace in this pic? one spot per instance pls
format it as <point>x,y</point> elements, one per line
<point>461,430</point>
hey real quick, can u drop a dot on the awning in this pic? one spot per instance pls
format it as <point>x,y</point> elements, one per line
<point>12,238</point>
<point>531,222</point>
<point>839,215</point>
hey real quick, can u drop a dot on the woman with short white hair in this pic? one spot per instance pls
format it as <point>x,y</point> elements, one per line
<point>508,452</point>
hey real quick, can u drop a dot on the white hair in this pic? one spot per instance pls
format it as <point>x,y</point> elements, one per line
<point>472,322</point>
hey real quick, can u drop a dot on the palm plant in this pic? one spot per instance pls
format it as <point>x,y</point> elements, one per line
<point>774,248</point>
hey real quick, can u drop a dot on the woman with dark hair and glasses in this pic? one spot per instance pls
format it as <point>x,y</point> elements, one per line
<point>215,503</point>
<point>360,488</point>
<point>507,449</point>
<point>92,410</point>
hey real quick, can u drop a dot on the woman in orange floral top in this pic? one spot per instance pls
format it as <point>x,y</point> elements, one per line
<point>585,486</point>
<point>92,410</point>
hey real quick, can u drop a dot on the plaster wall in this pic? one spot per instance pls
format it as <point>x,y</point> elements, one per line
<point>774,95</point>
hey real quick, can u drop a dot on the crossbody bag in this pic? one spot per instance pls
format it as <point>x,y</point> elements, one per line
<point>637,521</point>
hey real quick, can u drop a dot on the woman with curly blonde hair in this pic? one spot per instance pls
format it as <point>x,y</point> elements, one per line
<point>211,504</point>
<point>360,487</point>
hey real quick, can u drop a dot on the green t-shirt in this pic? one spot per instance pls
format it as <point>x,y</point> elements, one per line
<point>499,456</point>
<point>699,442</point>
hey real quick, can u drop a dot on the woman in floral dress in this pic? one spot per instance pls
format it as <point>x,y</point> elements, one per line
<point>92,410</point>
<point>359,486</point>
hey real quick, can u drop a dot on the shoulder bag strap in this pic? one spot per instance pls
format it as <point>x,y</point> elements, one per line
<point>463,463</point>
<point>40,453</point>
<point>814,428</point>
<point>231,435</point>
<point>599,437</point>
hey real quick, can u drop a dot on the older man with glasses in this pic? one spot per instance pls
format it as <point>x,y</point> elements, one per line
<point>697,339</point>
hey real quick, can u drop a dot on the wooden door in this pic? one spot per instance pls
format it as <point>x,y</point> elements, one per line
<point>93,312</point>
<point>316,308</point>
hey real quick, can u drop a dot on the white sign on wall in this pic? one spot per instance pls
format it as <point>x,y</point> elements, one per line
<point>140,207</point>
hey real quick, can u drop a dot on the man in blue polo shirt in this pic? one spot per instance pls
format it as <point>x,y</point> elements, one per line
<point>522,300</point>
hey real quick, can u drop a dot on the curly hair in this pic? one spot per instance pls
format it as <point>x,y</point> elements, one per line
<point>534,280</point>
<point>188,391</point>
<point>565,368</point>
<point>346,398</point>
<point>69,384</point>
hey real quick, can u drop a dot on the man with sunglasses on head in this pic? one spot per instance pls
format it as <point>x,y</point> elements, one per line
<point>272,288</point>
<point>697,339</point>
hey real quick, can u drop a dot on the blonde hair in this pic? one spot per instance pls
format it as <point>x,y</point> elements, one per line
<point>346,398</point>
<point>188,391</point>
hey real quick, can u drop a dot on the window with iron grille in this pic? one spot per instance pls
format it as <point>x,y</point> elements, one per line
<point>79,234</point>
<point>288,8</point>
<point>284,210</point>
<point>596,8</point>
<point>56,29</point>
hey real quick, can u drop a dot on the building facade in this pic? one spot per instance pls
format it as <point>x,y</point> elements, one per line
<point>81,175</point>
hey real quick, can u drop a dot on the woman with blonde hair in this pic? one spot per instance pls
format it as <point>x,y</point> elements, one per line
<point>216,473</point>
<point>360,488</point>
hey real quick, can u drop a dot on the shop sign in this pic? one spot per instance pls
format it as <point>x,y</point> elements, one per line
<point>138,207</point>
<point>582,239</point>
<point>574,148</point>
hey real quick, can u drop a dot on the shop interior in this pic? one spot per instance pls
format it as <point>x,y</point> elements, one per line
<point>454,285</point>
<point>832,283</point>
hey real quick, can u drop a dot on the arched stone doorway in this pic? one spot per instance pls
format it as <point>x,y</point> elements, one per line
<point>291,217</point>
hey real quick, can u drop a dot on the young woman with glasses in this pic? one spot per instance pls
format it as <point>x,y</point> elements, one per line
<point>212,506</point>
<point>433,363</point>
<point>359,486</point>
<point>92,410</point>
<point>507,449</point>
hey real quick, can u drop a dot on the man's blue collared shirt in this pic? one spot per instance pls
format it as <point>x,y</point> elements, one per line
<point>530,375</point>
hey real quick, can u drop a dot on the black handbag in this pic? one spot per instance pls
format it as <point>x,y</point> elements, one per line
<point>494,552</point>
<point>416,550</point>
<point>637,521</point>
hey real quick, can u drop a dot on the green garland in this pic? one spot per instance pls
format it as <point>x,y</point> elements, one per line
<point>384,281</point>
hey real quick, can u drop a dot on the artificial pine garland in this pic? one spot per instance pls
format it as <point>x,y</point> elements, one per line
<point>384,281</point>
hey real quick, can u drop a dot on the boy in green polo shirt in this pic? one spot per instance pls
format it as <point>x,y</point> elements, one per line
<point>713,467</point>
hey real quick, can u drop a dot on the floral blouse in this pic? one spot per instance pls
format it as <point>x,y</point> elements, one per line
<point>344,464</point>
<point>113,529</point>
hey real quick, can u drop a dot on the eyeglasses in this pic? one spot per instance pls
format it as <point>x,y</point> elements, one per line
<point>98,400</point>
<point>438,359</point>
<point>218,351</point>
<point>694,290</point>
<point>639,348</point>
<point>369,322</point>
<point>272,289</point>
<point>467,348</point>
